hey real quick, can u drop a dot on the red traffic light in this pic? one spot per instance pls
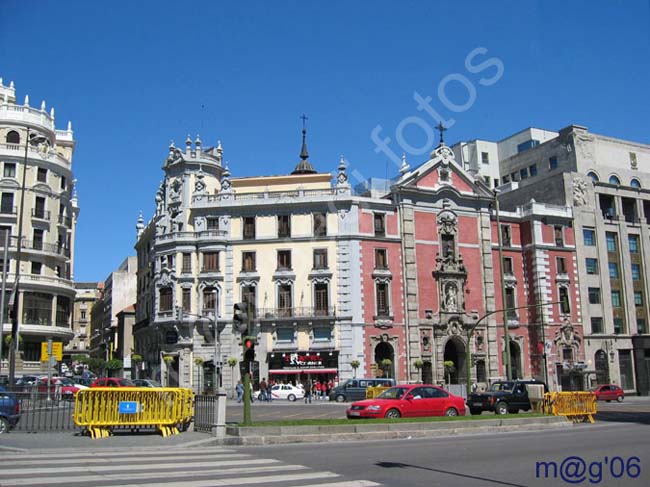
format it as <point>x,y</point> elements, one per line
<point>249,344</point>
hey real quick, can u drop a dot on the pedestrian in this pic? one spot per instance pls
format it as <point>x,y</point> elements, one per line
<point>307,388</point>
<point>269,390</point>
<point>239,389</point>
<point>263,391</point>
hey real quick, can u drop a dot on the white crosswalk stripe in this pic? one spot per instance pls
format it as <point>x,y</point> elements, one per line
<point>203,467</point>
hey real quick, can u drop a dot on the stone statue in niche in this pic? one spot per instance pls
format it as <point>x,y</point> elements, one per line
<point>579,192</point>
<point>175,189</point>
<point>451,297</point>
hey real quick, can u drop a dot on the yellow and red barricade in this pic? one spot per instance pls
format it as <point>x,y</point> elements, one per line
<point>100,409</point>
<point>577,406</point>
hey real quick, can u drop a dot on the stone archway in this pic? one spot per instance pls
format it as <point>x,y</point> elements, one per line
<point>385,351</point>
<point>515,360</point>
<point>455,353</point>
<point>601,364</point>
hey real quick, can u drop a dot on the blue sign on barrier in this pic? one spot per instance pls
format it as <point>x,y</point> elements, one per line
<point>129,407</point>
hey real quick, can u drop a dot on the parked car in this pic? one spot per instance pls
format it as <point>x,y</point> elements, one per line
<point>112,382</point>
<point>27,380</point>
<point>146,383</point>
<point>286,391</point>
<point>409,400</point>
<point>9,410</point>
<point>355,389</point>
<point>503,397</point>
<point>609,392</point>
<point>67,388</point>
<point>77,379</point>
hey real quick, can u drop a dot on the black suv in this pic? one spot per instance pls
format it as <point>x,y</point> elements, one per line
<point>508,396</point>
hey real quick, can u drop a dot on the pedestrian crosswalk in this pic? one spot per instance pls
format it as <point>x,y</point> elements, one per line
<point>190,467</point>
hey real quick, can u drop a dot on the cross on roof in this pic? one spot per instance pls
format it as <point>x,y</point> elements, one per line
<point>441,128</point>
<point>304,120</point>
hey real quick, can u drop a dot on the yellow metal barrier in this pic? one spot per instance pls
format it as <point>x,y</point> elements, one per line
<point>372,392</point>
<point>100,409</point>
<point>577,406</point>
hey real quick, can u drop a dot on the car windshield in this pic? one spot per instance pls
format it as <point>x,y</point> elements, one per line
<point>393,393</point>
<point>66,382</point>
<point>502,386</point>
<point>126,382</point>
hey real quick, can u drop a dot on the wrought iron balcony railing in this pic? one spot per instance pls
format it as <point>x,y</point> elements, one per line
<point>300,312</point>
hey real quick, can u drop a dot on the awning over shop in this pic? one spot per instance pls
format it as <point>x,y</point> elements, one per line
<point>303,371</point>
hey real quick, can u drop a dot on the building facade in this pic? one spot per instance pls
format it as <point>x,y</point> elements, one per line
<point>86,295</point>
<point>39,209</point>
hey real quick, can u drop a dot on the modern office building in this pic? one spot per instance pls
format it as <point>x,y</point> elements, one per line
<point>39,212</point>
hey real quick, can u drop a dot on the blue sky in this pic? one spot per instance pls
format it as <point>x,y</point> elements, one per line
<point>134,75</point>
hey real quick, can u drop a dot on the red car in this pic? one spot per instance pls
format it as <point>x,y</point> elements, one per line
<point>609,392</point>
<point>112,382</point>
<point>61,385</point>
<point>410,400</point>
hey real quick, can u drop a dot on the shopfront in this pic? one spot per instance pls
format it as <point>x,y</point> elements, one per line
<point>303,367</point>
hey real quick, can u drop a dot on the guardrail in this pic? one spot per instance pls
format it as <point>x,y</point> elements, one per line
<point>577,406</point>
<point>101,409</point>
<point>372,392</point>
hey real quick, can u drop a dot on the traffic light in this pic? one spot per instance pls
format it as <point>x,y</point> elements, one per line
<point>249,343</point>
<point>179,313</point>
<point>240,318</point>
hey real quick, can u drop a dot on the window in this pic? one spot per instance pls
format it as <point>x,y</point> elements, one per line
<point>36,268</point>
<point>506,179</point>
<point>560,262</point>
<point>248,294</point>
<point>248,262</point>
<point>284,226</point>
<point>13,137</point>
<point>210,299</point>
<point>380,226</point>
<point>596,325</point>
<point>589,237</point>
<point>166,299</point>
<point>633,241</point>
<point>213,224</point>
<point>567,354</point>
<point>640,327</point>
<point>611,241</point>
<point>320,224</point>
<point>322,333</point>
<point>532,170</point>
<point>485,158</point>
<point>593,176</point>
<point>487,180</point>
<point>37,243</point>
<point>187,299</point>
<point>7,204</point>
<point>284,260</point>
<point>321,299</point>
<point>592,265</point>
<point>638,299</point>
<point>320,258</point>
<point>559,236</point>
<point>37,309</point>
<point>64,183</point>
<point>284,300</point>
<point>9,170</point>
<point>211,261</point>
<point>285,334</point>
<point>616,299</point>
<point>41,175</point>
<point>381,259</point>
<point>187,263</point>
<point>514,176</point>
<point>523,173</point>
<point>39,207</point>
<point>614,180</point>
<point>507,266</point>
<point>506,235</point>
<point>636,272</point>
<point>619,327</point>
<point>510,303</point>
<point>565,304</point>
<point>249,228</point>
<point>613,270</point>
<point>529,144</point>
<point>381,289</point>
<point>594,295</point>
<point>552,163</point>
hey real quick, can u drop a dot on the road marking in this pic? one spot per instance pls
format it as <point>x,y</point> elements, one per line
<point>348,483</point>
<point>124,460</point>
<point>114,453</point>
<point>247,480</point>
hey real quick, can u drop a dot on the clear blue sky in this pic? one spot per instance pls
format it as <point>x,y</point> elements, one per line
<point>132,75</point>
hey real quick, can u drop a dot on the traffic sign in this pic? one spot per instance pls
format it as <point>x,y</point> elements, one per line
<point>129,407</point>
<point>57,351</point>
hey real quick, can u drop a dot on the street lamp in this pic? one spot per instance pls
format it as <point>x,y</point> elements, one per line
<point>15,296</point>
<point>470,333</point>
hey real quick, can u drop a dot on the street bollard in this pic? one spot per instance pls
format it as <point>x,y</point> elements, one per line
<point>219,428</point>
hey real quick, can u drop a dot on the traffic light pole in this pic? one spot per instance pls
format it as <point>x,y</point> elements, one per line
<point>247,373</point>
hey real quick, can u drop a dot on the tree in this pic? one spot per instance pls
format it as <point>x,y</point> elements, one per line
<point>169,360</point>
<point>198,361</point>
<point>355,365</point>
<point>450,368</point>
<point>418,364</point>
<point>386,365</point>
<point>114,364</point>
<point>232,362</point>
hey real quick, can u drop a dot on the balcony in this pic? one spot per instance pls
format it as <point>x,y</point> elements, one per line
<point>65,220</point>
<point>40,214</point>
<point>190,236</point>
<point>290,313</point>
<point>45,247</point>
<point>9,210</point>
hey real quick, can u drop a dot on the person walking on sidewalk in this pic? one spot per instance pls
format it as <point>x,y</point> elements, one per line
<point>263,390</point>
<point>307,388</point>
<point>239,389</point>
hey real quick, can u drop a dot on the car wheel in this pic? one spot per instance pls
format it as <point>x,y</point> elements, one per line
<point>475,412</point>
<point>619,398</point>
<point>501,408</point>
<point>451,412</point>
<point>392,414</point>
<point>4,426</point>
<point>291,397</point>
<point>340,398</point>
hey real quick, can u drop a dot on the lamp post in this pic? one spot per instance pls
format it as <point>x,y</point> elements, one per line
<point>470,333</point>
<point>16,292</point>
<point>217,342</point>
<point>506,347</point>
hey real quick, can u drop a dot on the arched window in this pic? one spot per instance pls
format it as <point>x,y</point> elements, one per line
<point>593,176</point>
<point>210,296</point>
<point>614,180</point>
<point>635,183</point>
<point>13,137</point>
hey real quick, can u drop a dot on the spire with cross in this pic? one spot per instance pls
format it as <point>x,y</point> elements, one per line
<point>441,128</point>
<point>304,167</point>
